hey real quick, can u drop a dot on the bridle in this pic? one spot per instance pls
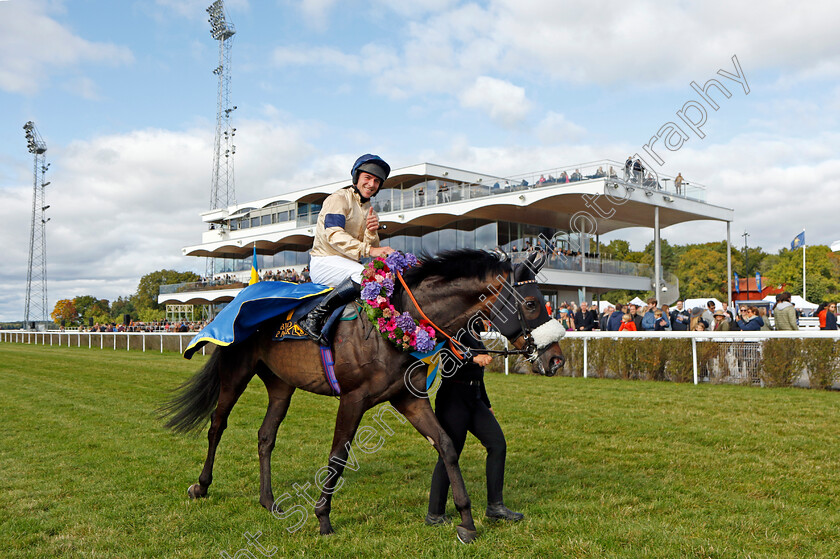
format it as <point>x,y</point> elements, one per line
<point>529,349</point>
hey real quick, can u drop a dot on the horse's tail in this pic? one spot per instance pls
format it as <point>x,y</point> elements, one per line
<point>194,401</point>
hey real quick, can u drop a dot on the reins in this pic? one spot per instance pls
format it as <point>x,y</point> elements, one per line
<point>452,341</point>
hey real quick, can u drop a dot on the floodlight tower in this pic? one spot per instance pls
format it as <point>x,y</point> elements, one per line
<point>36,276</point>
<point>222,190</point>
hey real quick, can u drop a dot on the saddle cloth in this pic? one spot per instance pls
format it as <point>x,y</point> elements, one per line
<point>252,306</point>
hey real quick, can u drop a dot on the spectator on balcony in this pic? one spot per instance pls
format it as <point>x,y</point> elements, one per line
<point>443,193</point>
<point>612,173</point>
<point>585,318</point>
<point>638,171</point>
<point>785,313</point>
<point>627,323</point>
<point>541,181</point>
<point>599,174</point>
<point>628,168</point>
<point>678,182</point>
<point>576,176</point>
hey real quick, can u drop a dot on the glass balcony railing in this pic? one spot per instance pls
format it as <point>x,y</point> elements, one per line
<point>437,192</point>
<point>576,263</point>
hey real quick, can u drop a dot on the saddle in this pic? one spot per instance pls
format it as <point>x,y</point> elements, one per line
<point>289,329</point>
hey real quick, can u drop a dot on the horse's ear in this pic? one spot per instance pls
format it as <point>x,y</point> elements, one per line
<point>537,259</point>
<point>540,259</point>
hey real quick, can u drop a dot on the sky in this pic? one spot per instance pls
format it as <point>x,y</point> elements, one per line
<point>124,96</point>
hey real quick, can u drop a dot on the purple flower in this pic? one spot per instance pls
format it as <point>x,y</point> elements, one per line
<point>424,342</point>
<point>406,322</point>
<point>371,290</point>
<point>396,262</point>
<point>410,259</point>
<point>388,285</point>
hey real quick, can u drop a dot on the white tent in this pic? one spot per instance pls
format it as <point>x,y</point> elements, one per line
<point>636,301</point>
<point>603,305</point>
<point>797,301</point>
<point>692,303</point>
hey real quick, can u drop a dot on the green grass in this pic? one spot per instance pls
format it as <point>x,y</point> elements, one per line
<point>601,468</point>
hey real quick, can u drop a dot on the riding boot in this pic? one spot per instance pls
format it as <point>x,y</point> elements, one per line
<point>313,323</point>
<point>499,510</point>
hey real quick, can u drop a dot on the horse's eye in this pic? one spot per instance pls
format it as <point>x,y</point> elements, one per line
<point>530,305</point>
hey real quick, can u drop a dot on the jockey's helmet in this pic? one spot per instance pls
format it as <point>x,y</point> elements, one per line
<point>372,164</point>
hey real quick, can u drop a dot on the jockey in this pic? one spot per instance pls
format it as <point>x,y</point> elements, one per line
<point>346,233</point>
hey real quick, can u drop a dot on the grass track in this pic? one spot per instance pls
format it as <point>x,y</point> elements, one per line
<point>601,468</point>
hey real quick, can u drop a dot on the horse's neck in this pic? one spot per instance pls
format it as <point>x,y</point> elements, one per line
<point>450,305</point>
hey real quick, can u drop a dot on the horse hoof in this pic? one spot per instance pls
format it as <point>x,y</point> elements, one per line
<point>464,535</point>
<point>327,532</point>
<point>195,491</point>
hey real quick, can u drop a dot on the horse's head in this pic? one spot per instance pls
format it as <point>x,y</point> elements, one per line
<point>519,313</point>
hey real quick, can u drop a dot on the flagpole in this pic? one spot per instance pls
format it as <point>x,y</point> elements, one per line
<point>804,244</point>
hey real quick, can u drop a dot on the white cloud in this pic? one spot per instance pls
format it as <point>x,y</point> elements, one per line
<point>503,101</point>
<point>556,128</point>
<point>124,205</point>
<point>33,46</point>
<point>197,9</point>
<point>316,12</point>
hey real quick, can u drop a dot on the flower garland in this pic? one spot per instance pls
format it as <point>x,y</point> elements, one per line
<point>377,287</point>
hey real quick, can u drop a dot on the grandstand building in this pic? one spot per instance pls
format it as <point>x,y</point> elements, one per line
<point>428,207</point>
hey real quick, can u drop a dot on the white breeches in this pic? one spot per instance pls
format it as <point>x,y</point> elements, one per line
<point>332,270</point>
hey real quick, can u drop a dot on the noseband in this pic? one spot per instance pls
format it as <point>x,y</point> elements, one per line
<point>530,349</point>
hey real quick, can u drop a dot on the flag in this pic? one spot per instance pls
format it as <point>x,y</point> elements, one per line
<point>255,277</point>
<point>758,281</point>
<point>797,241</point>
<point>737,283</point>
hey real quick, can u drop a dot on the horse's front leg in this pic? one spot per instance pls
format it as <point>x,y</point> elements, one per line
<point>419,412</point>
<point>351,408</point>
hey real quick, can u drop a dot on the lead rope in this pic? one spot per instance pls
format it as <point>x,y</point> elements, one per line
<point>452,341</point>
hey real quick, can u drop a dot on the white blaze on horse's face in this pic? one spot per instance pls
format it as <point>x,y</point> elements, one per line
<point>547,333</point>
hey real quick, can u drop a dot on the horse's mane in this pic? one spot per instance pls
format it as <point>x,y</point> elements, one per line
<point>455,264</point>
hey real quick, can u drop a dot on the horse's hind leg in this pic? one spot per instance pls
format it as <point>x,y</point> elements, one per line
<point>419,413</point>
<point>279,398</point>
<point>234,380</point>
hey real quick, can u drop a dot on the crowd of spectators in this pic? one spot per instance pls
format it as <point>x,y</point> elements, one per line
<point>137,326</point>
<point>652,317</point>
<point>269,275</point>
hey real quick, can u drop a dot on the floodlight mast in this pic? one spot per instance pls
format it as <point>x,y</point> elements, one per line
<point>36,275</point>
<point>222,189</point>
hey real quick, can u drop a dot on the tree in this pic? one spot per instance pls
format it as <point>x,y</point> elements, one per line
<point>147,291</point>
<point>702,273</point>
<point>667,255</point>
<point>122,306</point>
<point>89,306</point>
<point>65,310</point>
<point>822,272</point>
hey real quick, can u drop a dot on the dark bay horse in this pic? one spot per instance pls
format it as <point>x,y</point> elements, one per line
<point>451,289</point>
